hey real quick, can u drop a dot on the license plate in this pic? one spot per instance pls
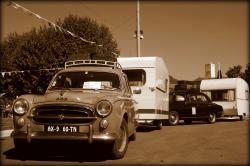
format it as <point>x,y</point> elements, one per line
<point>61,129</point>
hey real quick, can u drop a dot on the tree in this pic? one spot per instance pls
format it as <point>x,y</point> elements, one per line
<point>234,72</point>
<point>247,74</point>
<point>48,47</point>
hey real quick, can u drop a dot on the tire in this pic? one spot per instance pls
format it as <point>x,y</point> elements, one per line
<point>133,137</point>
<point>158,124</point>
<point>212,118</point>
<point>173,118</point>
<point>242,117</point>
<point>188,121</point>
<point>120,145</point>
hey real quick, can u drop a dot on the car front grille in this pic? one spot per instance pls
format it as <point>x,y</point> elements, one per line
<point>63,114</point>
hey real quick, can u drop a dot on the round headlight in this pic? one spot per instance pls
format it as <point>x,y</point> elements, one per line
<point>104,108</point>
<point>21,106</point>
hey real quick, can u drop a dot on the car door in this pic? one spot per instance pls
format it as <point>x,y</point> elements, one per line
<point>191,106</point>
<point>203,105</point>
<point>181,104</point>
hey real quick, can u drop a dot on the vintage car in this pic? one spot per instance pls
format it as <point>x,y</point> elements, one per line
<point>190,105</point>
<point>89,100</point>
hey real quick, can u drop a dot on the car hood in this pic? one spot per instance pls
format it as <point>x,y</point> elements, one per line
<point>88,97</point>
<point>216,105</point>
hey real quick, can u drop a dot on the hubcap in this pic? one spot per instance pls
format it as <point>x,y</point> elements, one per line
<point>173,117</point>
<point>211,117</point>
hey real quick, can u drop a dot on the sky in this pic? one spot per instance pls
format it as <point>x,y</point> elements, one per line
<point>186,34</point>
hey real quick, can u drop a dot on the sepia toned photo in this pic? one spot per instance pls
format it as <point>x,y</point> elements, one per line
<point>130,82</point>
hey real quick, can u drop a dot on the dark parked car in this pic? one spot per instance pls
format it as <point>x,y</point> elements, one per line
<point>189,106</point>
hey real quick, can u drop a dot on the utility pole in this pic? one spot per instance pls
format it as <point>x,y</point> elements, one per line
<point>138,31</point>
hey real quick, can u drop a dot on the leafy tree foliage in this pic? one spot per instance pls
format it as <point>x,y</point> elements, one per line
<point>234,72</point>
<point>247,74</point>
<point>46,48</point>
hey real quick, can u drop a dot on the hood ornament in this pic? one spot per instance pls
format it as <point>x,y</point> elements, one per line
<point>61,98</point>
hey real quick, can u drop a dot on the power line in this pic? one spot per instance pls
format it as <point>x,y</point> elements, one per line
<point>56,27</point>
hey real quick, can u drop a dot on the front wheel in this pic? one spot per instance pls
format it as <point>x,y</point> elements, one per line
<point>173,118</point>
<point>120,145</point>
<point>212,118</point>
<point>133,137</point>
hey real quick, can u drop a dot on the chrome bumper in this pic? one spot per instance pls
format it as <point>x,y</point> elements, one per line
<point>56,136</point>
<point>87,137</point>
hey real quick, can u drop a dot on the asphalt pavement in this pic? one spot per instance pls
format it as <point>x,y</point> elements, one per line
<point>223,143</point>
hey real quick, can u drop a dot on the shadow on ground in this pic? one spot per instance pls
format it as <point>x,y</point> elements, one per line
<point>146,128</point>
<point>83,153</point>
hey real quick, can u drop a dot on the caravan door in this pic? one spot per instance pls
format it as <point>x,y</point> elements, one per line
<point>140,81</point>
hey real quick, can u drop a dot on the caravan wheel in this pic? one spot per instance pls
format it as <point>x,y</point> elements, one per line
<point>158,124</point>
<point>242,117</point>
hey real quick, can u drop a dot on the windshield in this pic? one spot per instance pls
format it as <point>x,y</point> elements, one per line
<point>86,80</point>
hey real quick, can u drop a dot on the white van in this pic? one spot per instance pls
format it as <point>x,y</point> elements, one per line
<point>149,81</point>
<point>231,93</point>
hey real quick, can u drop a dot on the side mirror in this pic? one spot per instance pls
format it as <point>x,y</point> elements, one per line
<point>137,91</point>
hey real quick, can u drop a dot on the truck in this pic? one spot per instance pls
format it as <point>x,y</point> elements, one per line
<point>148,78</point>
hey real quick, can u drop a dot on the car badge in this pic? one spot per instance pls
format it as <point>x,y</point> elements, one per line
<point>61,117</point>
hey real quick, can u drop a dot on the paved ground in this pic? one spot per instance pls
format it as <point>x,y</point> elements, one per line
<point>222,143</point>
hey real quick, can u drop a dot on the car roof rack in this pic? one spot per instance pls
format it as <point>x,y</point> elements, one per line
<point>76,63</point>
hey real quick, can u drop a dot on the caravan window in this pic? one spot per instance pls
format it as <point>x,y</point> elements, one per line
<point>136,77</point>
<point>221,95</point>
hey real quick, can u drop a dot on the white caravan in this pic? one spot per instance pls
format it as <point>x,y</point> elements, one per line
<point>231,93</point>
<point>149,80</point>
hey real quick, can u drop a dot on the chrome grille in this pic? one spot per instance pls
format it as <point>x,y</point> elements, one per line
<point>63,114</point>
